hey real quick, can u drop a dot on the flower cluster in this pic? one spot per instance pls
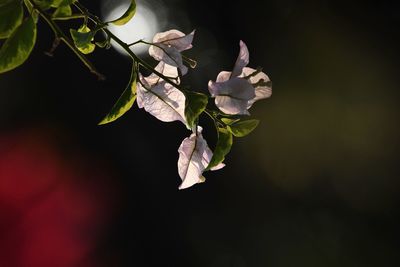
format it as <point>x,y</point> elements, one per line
<point>234,93</point>
<point>160,93</point>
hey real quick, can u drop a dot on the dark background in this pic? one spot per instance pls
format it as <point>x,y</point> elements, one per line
<point>315,185</point>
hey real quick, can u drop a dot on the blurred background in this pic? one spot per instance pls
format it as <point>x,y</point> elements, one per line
<point>317,183</point>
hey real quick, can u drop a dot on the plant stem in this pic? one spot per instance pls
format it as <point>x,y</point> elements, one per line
<point>73,16</point>
<point>125,46</point>
<point>61,36</point>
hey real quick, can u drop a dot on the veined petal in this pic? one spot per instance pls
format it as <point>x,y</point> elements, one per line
<point>262,91</point>
<point>242,60</point>
<point>166,70</point>
<point>169,55</point>
<point>223,76</point>
<point>238,88</point>
<point>232,106</point>
<point>164,36</point>
<point>216,89</point>
<point>163,101</point>
<point>194,157</point>
<point>175,38</point>
<point>190,162</point>
<point>232,96</point>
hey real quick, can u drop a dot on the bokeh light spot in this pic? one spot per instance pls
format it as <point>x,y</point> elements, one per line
<point>144,25</point>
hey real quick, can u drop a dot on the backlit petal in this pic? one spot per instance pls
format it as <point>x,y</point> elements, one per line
<point>169,55</point>
<point>232,106</point>
<point>163,101</point>
<point>261,91</point>
<point>175,39</point>
<point>190,162</point>
<point>242,60</point>
<point>223,76</point>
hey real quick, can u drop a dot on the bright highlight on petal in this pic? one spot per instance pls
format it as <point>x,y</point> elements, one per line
<point>142,26</point>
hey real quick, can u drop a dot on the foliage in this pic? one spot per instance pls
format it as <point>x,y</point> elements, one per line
<point>161,93</point>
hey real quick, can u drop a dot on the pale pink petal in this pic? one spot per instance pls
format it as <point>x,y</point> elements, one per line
<point>223,76</point>
<point>261,91</point>
<point>179,40</point>
<point>194,158</point>
<point>232,106</point>
<point>232,96</point>
<point>240,89</point>
<point>166,70</point>
<point>218,167</point>
<point>162,36</point>
<point>235,87</point>
<point>242,60</point>
<point>216,89</point>
<point>163,101</point>
<point>169,71</point>
<point>169,55</point>
<point>190,162</point>
<point>189,172</point>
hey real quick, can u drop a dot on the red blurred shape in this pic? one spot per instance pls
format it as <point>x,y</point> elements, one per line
<point>50,208</point>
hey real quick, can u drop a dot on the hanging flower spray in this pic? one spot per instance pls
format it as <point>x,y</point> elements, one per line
<point>161,93</point>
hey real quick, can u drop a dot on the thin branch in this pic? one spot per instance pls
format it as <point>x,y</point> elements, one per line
<point>61,35</point>
<point>73,16</point>
<point>125,46</point>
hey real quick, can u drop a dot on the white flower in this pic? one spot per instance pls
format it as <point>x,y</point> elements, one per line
<point>168,47</point>
<point>194,157</point>
<point>235,92</point>
<point>159,98</point>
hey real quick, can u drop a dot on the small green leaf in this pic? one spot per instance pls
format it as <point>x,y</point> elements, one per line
<point>11,14</point>
<point>127,16</point>
<point>243,128</point>
<point>56,3</point>
<point>125,102</point>
<point>195,104</point>
<point>104,44</point>
<point>62,11</point>
<point>18,46</point>
<point>228,121</point>
<point>32,11</point>
<point>224,144</point>
<point>59,3</point>
<point>44,4</point>
<point>83,38</point>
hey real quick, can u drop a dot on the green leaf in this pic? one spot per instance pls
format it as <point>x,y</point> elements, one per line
<point>32,11</point>
<point>56,3</point>
<point>125,102</point>
<point>62,11</point>
<point>224,144</point>
<point>228,121</point>
<point>195,104</point>
<point>83,38</point>
<point>104,44</point>
<point>18,46</point>
<point>44,4</point>
<point>127,16</point>
<point>243,128</point>
<point>11,14</point>
<point>59,3</point>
